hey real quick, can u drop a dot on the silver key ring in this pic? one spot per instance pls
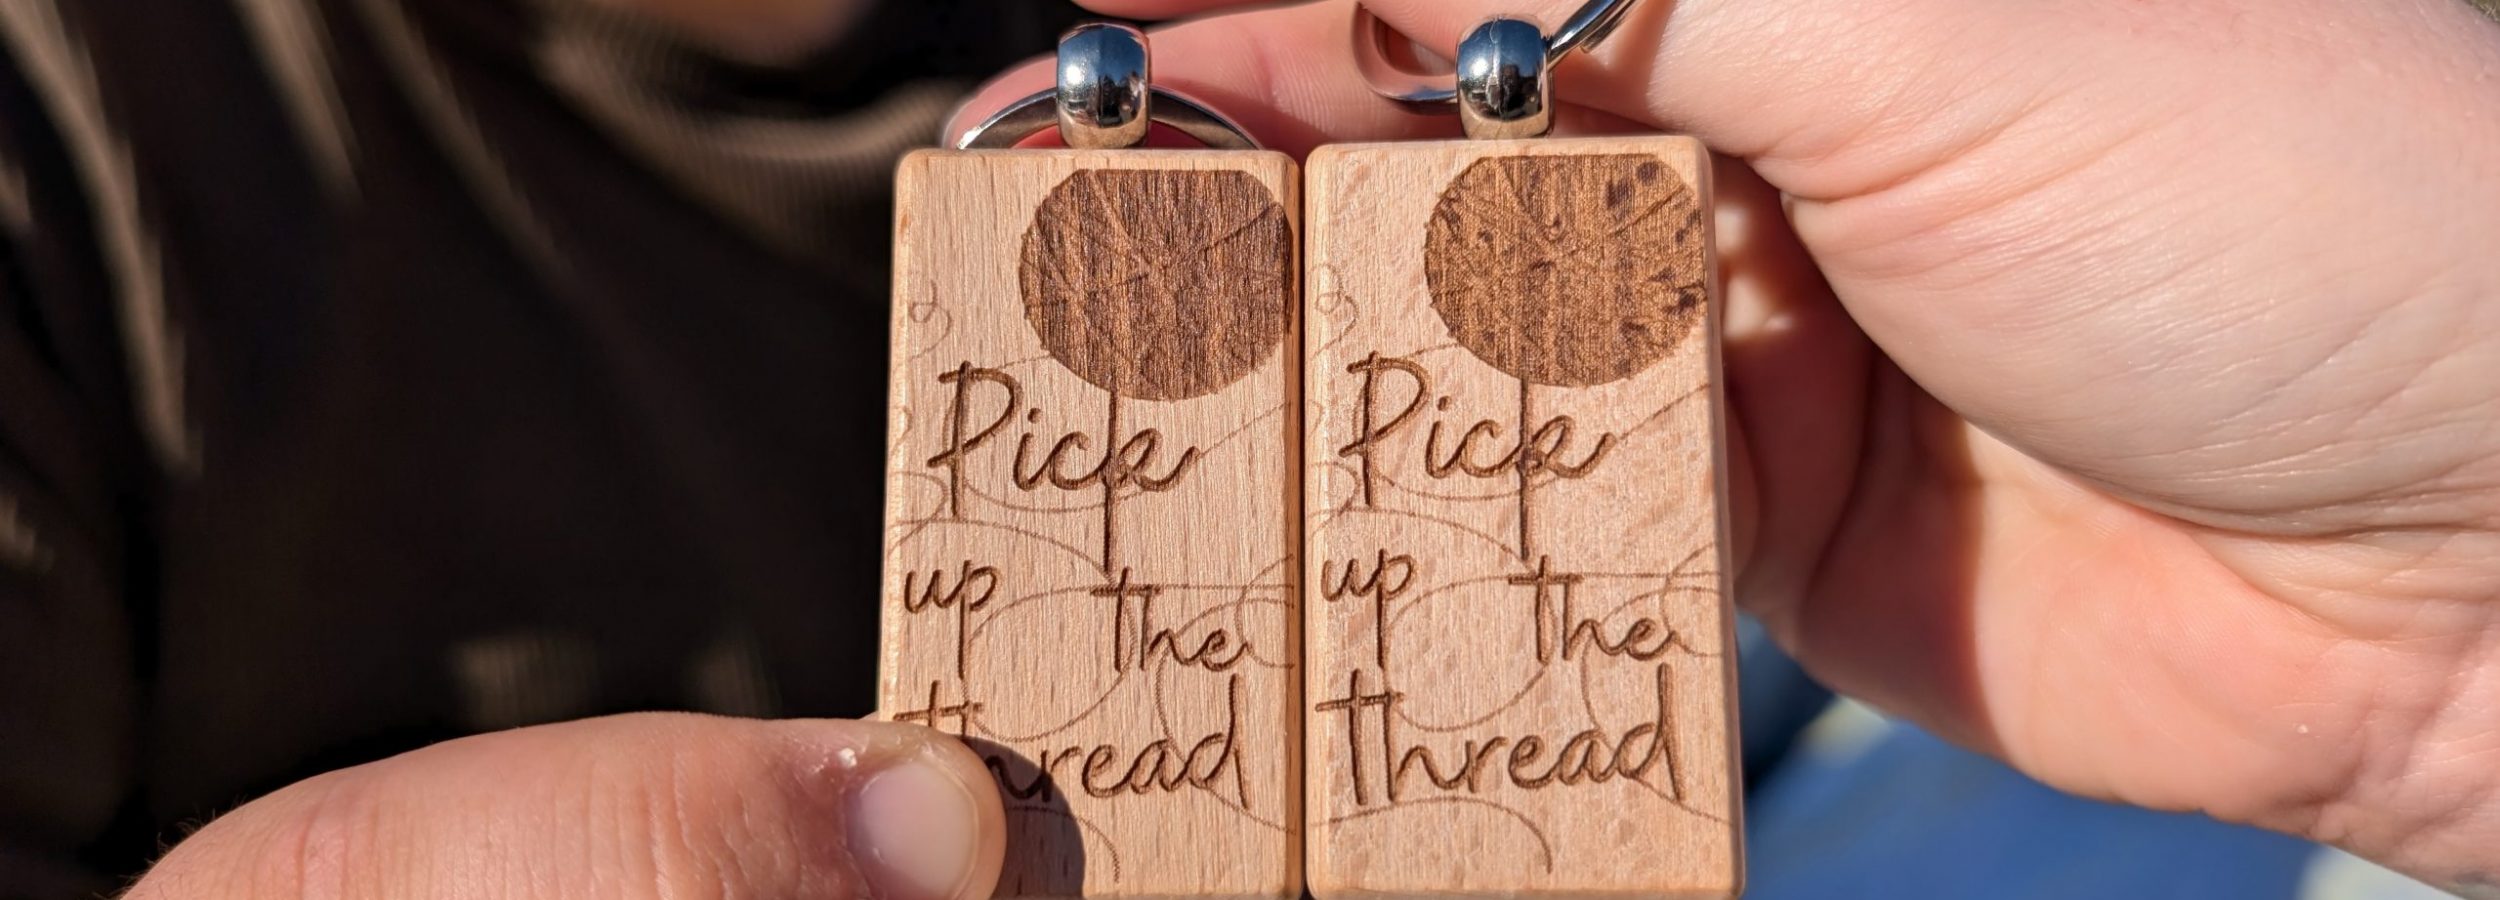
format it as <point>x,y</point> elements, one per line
<point>1503,85</point>
<point>1105,99</point>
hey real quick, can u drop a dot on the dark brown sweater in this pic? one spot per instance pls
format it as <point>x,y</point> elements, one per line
<point>378,371</point>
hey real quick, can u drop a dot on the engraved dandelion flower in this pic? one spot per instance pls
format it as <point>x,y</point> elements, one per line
<point>1159,284</point>
<point>1156,284</point>
<point>1568,271</point>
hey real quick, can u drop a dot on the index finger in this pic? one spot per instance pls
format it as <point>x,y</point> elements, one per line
<point>1828,99</point>
<point>1284,74</point>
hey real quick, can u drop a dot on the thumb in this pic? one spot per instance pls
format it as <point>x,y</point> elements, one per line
<point>642,806</point>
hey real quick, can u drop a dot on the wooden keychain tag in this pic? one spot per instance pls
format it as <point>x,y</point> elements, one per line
<point>1093,486</point>
<point>1520,654</point>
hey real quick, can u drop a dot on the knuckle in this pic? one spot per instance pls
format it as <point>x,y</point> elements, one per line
<point>301,842</point>
<point>316,850</point>
<point>705,826</point>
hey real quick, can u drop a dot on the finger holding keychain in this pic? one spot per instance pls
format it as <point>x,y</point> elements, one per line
<point>1514,384</point>
<point>2135,274</point>
<point>1091,521</point>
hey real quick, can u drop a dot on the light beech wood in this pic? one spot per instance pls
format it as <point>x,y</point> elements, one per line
<point>1093,504</point>
<point>1519,669</point>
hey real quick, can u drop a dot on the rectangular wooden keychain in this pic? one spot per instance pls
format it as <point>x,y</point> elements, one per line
<point>1520,662</point>
<point>1093,485</point>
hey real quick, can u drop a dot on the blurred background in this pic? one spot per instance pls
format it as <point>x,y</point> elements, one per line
<point>511,361</point>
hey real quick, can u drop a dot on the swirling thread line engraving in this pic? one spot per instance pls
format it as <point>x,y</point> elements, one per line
<point>1566,273</point>
<point>1151,286</point>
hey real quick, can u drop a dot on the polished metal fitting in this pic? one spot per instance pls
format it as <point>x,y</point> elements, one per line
<point>1105,99</point>
<point>1505,83</point>
<point>1103,94</point>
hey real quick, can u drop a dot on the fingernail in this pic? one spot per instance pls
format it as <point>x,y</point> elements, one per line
<point>914,829</point>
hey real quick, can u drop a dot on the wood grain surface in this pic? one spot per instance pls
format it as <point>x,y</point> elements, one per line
<point>1519,668</point>
<point>1092,507</point>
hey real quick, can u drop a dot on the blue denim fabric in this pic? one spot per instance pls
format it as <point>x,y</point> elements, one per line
<point>1859,807</point>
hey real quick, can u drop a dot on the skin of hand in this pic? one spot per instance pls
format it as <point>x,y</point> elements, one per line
<point>642,806</point>
<point>2115,386</point>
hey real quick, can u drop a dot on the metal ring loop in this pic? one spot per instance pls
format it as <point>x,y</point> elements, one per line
<point>1584,31</point>
<point>1587,28</point>
<point>1418,93</point>
<point>1040,112</point>
<point>1104,99</point>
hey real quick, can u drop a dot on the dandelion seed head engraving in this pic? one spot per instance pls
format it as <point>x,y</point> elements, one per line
<point>1159,284</point>
<point>1518,676</point>
<point>1569,271</point>
<point>1090,584</point>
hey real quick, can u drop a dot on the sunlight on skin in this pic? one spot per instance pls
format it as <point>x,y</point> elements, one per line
<point>2142,431</point>
<point>2123,401</point>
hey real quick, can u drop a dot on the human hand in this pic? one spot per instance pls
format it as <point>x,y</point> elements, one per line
<point>2115,386</point>
<point>631,806</point>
